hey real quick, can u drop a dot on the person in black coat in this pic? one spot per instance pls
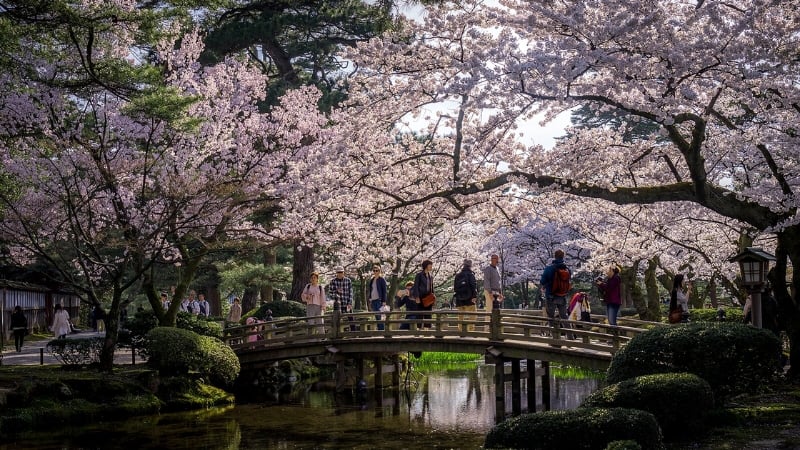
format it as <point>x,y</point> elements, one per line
<point>19,325</point>
<point>423,285</point>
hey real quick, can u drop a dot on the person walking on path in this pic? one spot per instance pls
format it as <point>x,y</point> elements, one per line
<point>61,327</point>
<point>314,297</point>
<point>610,288</point>
<point>19,326</point>
<point>377,292</point>
<point>235,314</point>
<point>556,296</point>
<point>423,288</point>
<point>492,287</point>
<point>466,292</point>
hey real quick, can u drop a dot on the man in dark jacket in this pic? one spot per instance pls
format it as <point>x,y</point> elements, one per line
<point>466,291</point>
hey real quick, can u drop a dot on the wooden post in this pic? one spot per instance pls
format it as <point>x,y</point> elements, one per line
<point>531,363</point>
<point>378,362</point>
<point>336,320</point>
<point>494,330</point>
<point>546,386</point>
<point>396,373</point>
<point>341,374</point>
<point>499,389</point>
<point>362,374</point>
<point>516,391</point>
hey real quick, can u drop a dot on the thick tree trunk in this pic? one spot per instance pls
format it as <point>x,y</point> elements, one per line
<point>249,299</point>
<point>653,310</point>
<point>112,332</point>
<point>268,290</point>
<point>788,250</point>
<point>302,266</point>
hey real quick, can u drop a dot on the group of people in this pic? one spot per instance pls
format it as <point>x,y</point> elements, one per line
<point>418,295</point>
<point>194,304</point>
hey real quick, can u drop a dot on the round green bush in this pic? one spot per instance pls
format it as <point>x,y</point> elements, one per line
<point>733,358</point>
<point>679,401</point>
<point>220,362</point>
<point>202,325</point>
<point>582,428</point>
<point>175,351</point>
<point>284,308</point>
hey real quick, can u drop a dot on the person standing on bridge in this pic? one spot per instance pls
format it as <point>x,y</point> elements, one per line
<point>403,298</point>
<point>341,290</point>
<point>466,292</point>
<point>492,286</point>
<point>556,287</point>
<point>377,291</point>
<point>314,297</point>
<point>423,287</point>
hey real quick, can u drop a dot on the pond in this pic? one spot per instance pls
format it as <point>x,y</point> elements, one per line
<point>442,408</point>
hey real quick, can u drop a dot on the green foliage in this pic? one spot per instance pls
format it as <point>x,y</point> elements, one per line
<point>582,428</point>
<point>664,395</point>
<point>288,308</point>
<point>710,315</point>
<point>235,275</point>
<point>201,325</point>
<point>76,352</point>
<point>733,358</point>
<point>136,327</point>
<point>174,351</point>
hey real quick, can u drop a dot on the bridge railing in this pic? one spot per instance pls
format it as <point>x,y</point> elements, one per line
<point>500,325</point>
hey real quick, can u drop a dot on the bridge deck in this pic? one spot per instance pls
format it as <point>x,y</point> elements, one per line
<point>518,334</point>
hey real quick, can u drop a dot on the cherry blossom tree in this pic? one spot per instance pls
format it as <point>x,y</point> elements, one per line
<point>715,79</point>
<point>112,182</point>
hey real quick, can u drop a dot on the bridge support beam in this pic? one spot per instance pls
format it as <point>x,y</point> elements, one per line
<point>546,385</point>
<point>516,391</point>
<point>530,366</point>
<point>499,389</point>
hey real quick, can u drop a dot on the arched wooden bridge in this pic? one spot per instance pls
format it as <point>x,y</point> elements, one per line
<point>526,340</point>
<point>512,334</point>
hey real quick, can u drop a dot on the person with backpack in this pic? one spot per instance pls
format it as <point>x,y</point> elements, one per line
<point>610,288</point>
<point>555,280</point>
<point>314,297</point>
<point>465,288</point>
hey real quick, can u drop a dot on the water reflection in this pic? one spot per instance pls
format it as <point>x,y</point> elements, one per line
<point>441,409</point>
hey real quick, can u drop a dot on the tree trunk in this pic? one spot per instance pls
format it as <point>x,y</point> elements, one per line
<point>112,332</point>
<point>653,310</point>
<point>712,291</point>
<point>788,250</point>
<point>302,266</point>
<point>268,290</point>
<point>249,299</point>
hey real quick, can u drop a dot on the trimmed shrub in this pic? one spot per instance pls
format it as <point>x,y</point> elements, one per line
<point>582,428</point>
<point>134,329</point>
<point>679,401</point>
<point>76,352</point>
<point>174,351</point>
<point>286,308</point>
<point>202,325</point>
<point>733,315</point>
<point>733,358</point>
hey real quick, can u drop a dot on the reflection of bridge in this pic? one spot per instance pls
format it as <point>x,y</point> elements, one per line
<point>501,336</point>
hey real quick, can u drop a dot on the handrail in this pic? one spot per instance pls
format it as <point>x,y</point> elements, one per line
<point>518,326</point>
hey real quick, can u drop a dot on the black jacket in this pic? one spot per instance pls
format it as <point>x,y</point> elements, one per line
<point>18,320</point>
<point>463,299</point>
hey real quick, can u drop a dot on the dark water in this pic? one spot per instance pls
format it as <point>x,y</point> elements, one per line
<point>442,409</point>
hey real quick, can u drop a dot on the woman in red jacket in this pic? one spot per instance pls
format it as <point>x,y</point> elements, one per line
<point>610,288</point>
